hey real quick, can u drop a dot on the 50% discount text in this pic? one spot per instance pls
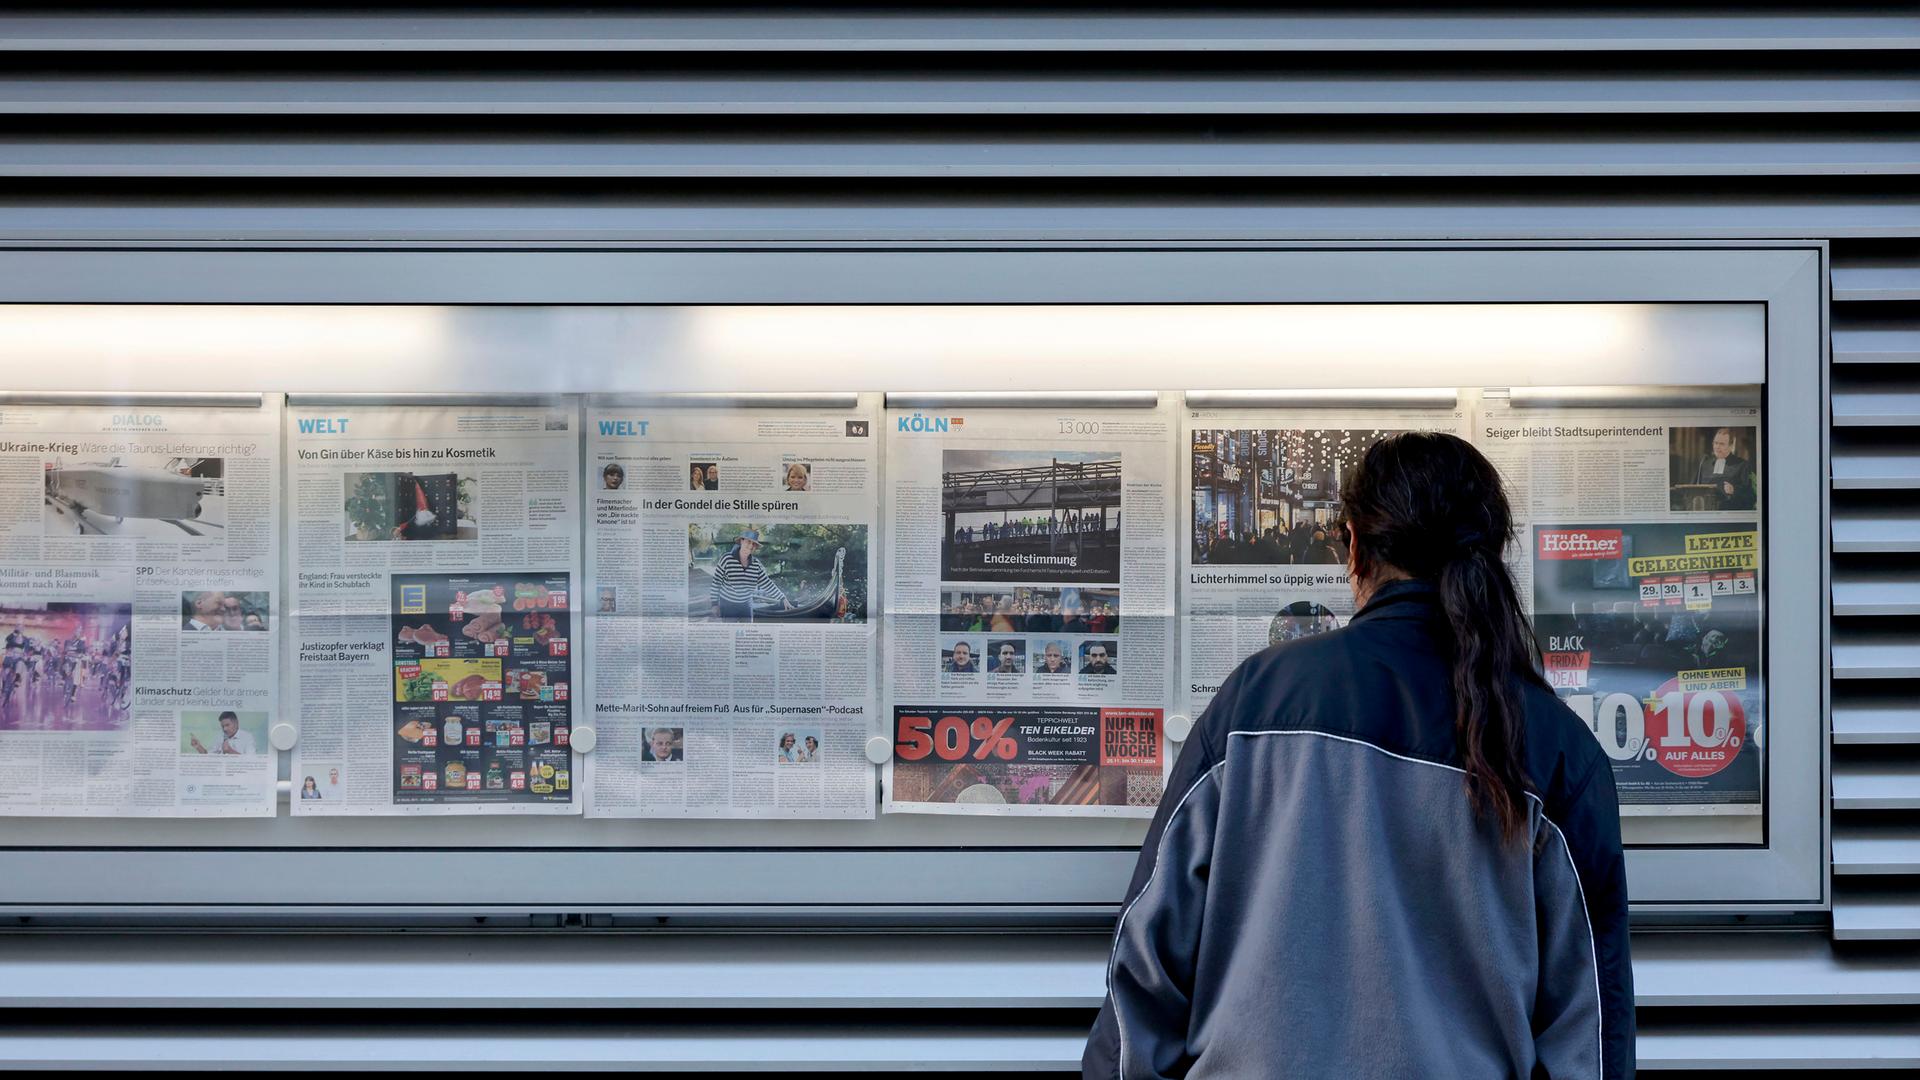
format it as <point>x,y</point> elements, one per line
<point>954,738</point>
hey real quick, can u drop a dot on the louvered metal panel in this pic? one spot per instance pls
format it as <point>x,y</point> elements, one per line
<point>1877,589</point>
<point>943,123</point>
<point>1881,278</point>
<point>1346,211</point>
<point>1876,401</point>
<point>1102,29</point>
<point>1875,713</point>
<point>1873,912</point>
<point>1876,594</point>
<point>669,1042</point>
<point>1878,651</point>
<point>881,93</point>
<point>755,1002</point>
<point>1861,343</point>
<point>904,152</point>
<point>1874,780</point>
<point>1871,847</point>
<point>1867,525</point>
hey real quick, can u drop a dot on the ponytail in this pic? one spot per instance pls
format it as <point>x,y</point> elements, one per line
<point>1432,507</point>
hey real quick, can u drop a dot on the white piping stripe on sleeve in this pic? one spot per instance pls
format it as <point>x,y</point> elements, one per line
<point>1119,1027</point>
<point>1586,914</point>
<point>1593,947</point>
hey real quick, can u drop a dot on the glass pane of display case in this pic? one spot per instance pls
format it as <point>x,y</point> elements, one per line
<point>720,579</point>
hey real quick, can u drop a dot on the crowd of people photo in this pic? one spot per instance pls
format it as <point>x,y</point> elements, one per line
<point>1307,543</point>
<point>1071,523</point>
<point>1031,611</point>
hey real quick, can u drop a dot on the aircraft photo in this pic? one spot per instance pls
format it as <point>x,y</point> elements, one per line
<point>123,498</point>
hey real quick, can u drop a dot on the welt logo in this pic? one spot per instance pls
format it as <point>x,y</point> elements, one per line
<point>322,425</point>
<point>623,429</point>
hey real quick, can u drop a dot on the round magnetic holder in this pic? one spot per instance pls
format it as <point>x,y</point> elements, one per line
<point>584,739</point>
<point>879,749</point>
<point>1179,727</point>
<point>283,736</point>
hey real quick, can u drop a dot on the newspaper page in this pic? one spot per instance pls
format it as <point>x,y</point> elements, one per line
<point>435,551</point>
<point>1265,554</point>
<point>138,568</point>
<point>730,557</point>
<point>1642,561</point>
<point>1029,596</point>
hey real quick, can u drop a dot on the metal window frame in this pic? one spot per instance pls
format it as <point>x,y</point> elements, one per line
<point>901,880</point>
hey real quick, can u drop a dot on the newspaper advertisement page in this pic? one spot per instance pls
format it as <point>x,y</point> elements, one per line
<point>139,564</point>
<point>435,552</point>
<point>1265,553</point>
<point>1643,562</point>
<point>731,552</point>
<point>1029,597</point>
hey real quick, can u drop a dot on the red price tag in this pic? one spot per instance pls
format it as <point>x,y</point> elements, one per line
<point>1694,733</point>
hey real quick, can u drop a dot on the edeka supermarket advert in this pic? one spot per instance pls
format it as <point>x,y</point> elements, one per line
<point>1264,551</point>
<point>1029,599</point>
<point>730,563</point>
<point>1643,558</point>
<point>435,563</point>
<point>139,569</point>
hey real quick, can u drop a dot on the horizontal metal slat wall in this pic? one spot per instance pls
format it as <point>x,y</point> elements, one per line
<point>521,123</point>
<point>1876,592</point>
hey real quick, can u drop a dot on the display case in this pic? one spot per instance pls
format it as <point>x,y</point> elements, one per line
<point>937,446</point>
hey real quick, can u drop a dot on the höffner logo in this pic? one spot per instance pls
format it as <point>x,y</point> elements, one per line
<point>916,424</point>
<point>1580,544</point>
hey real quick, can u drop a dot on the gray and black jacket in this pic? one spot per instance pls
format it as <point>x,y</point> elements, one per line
<point>1318,898</point>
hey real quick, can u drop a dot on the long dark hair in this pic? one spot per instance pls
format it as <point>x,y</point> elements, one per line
<point>1431,506</point>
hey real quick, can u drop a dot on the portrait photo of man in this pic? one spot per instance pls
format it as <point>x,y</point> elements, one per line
<point>1006,658</point>
<point>959,660</point>
<point>1054,660</point>
<point>1097,658</point>
<point>1711,470</point>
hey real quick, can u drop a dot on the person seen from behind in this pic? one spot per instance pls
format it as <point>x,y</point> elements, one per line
<point>1388,850</point>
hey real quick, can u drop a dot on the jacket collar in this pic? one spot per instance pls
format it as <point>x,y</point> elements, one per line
<point>1408,598</point>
